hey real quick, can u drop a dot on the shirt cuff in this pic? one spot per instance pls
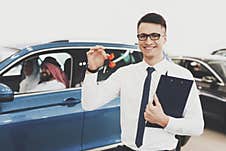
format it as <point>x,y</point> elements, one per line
<point>90,77</point>
<point>170,126</point>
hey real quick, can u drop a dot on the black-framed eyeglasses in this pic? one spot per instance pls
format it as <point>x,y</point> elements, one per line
<point>152,36</point>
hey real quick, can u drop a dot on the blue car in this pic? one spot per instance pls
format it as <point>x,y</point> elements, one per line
<point>53,120</point>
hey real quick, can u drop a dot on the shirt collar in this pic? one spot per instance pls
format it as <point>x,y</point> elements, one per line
<point>160,68</point>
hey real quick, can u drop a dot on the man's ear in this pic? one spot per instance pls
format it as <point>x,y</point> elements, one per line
<point>165,38</point>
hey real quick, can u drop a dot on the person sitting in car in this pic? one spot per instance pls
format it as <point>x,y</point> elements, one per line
<point>51,77</point>
<point>32,76</point>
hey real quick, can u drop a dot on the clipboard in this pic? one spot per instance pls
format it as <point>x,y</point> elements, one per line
<point>173,93</point>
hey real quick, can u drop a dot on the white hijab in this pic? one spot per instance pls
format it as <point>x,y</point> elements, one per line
<point>31,81</point>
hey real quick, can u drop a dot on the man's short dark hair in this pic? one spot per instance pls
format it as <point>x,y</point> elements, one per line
<point>152,18</point>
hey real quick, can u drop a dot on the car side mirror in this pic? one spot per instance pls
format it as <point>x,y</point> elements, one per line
<point>6,94</point>
<point>209,79</point>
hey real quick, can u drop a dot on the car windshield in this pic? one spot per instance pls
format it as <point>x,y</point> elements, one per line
<point>6,52</point>
<point>220,67</point>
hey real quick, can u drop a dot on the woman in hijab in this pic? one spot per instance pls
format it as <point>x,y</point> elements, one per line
<point>32,76</point>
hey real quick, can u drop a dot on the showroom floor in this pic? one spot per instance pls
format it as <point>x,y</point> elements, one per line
<point>210,140</point>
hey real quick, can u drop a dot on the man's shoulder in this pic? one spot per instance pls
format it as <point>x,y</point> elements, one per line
<point>179,71</point>
<point>130,67</point>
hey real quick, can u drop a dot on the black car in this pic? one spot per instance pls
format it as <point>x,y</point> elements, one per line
<point>210,76</point>
<point>220,52</point>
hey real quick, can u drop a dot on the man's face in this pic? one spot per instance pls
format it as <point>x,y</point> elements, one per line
<point>45,74</point>
<point>152,48</point>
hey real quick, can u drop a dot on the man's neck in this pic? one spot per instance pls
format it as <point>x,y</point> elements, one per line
<point>153,60</point>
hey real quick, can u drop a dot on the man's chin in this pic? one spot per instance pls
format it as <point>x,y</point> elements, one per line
<point>45,78</point>
<point>148,54</point>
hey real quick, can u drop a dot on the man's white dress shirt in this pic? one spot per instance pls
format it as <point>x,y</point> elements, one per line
<point>48,85</point>
<point>127,82</point>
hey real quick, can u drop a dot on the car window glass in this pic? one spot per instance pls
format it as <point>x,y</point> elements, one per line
<point>221,53</point>
<point>55,78</point>
<point>220,68</point>
<point>14,75</point>
<point>198,70</point>
<point>16,70</point>
<point>121,58</point>
<point>19,82</point>
<point>60,57</point>
<point>179,62</point>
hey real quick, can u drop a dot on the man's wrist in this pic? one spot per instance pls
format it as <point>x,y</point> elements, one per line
<point>165,121</point>
<point>92,71</point>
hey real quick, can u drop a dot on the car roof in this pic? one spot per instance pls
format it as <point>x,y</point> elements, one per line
<point>25,49</point>
<point>78,42</point>
<point>202,57</point>
<point>71,43</point>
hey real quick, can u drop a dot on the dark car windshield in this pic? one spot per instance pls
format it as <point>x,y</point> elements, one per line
<point>6,52</point>
<point>220,67</point>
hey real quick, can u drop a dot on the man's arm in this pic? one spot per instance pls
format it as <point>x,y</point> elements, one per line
<point>96,94</point>
<point>191,124</point>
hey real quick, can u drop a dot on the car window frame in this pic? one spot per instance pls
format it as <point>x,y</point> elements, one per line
<point>29,55</point>
<point>47,50</point>
<point>219,79</point>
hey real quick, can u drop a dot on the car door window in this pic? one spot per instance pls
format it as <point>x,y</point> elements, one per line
<point>13,77</point>
<point>120,58</point>
<point>219,66</point>
<point>197,69</point>
<point>16,77</point>
<point>15,71</point>
<point>221,53</point>
<point>180,62</point>
<point>52,74</point>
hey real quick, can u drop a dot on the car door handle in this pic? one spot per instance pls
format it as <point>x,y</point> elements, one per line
<point>70,102</point>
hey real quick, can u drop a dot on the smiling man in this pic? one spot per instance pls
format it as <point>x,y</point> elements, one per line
<point>151,39</point>
<point>136,85</point>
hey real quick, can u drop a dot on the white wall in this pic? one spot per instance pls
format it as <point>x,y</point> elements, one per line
<point>194,26</point>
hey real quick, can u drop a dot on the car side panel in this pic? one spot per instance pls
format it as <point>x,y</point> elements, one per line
<point>102,126</point>
<point>54,128</point>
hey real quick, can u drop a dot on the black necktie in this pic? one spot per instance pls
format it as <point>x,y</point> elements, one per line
<point>144,102</point>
